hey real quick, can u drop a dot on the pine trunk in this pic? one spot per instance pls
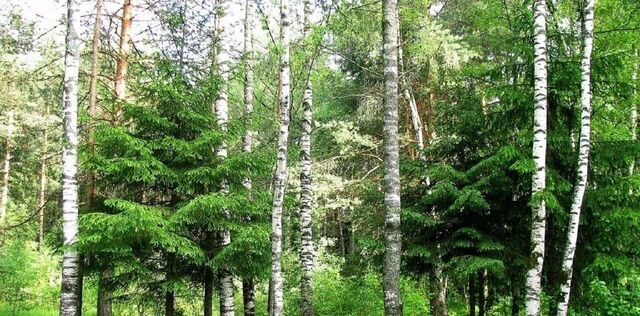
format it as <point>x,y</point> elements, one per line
<point>93,97</point>
<point>208,292</point>
<point>472,296</point>
<point>393,237</point>
<point>169,303</point>
<point>280,176</point>
<point>6,168</point>
<point>104,294</point>
<point>70,262</point>
<point>538,218</point>
<point>583,160</point>
<point>438,290</point>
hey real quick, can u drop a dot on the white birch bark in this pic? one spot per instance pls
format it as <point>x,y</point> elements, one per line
<point>248,292</point>
<point>393,235</point>
<point>538,218</point>
<point>280,176</point>
<point>6,167</point>
<point>634,107</point>
<point>583,159</point>
<point>70,263</point>
<point>306,193</point>
<point>227,307</point>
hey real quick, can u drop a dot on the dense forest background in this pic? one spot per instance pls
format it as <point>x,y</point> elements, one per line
<point>268,158</point>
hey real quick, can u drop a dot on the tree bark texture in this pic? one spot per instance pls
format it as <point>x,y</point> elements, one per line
<point>70,262</point>
<point>281,164</point>
<point>539,217</point>
<point>583,160</point>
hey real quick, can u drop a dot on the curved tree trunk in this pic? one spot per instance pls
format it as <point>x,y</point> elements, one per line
<point>539,217</point>
<point>70,262</point>
<point>306,195</point>
<point>393,235</point>
<point>280,176</point>
<point>583,160</point>
<point>6,168</point>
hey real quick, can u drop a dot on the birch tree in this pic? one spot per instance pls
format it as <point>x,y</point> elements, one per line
<point>221,108</point>
<point>280,176</point>
<point>70,262</point>
<point>393,235</point>
<point>248,293</point>
<point>583,159</point>
<point>306,193</point>
<point>538,218</point>
<point>6,165</point>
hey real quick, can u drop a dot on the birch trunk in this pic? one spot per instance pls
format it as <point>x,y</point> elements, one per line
<point>6,167</point>
<point>281,164</point>
<point>227,307</point>
<point>249,297</point>
<point>248,293</point>
<point>43,182</point>
<point>538,218</point>
<point>393,236</point>
<point>70,263</point>
<point>634,107</point>
<point>306,193</point>
<point>583,159</point>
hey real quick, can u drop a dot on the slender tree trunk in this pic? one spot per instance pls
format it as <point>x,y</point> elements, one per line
<point>393,237</point>
<point>281,164</point>
<point>270,298</point>
<point>104,294</point>
<point>123,57</point>
<point>306,193</point>
<point>249,297</point>
<point>6,167</point>
<point>93,97</point>
<point>472,295</point>
<point>583,160</point>
<point>515,299</point>
<point>43,182</point>
<point>70,262</point>
<point>208,292</point>
<point>438,290</point>
<point>221,106</point>
<point>407,93</point>
<point>539,217</point>
<point>483,293</point>
<point>248,293</point>
<point>169,303</point>
<point>634,107</point>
